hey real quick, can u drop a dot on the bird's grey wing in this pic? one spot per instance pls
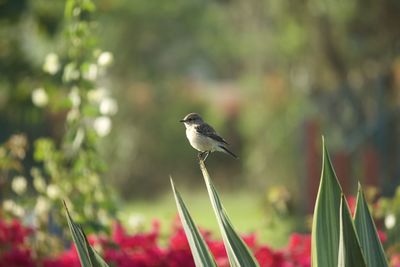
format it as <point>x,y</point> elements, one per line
<point>209,131</point>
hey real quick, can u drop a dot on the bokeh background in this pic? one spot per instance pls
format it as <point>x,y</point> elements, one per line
<point>90,101</point>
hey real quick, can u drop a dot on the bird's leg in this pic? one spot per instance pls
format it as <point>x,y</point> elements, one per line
<point>206,155</point>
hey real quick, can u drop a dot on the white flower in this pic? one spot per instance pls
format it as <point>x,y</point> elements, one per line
<point>9,205</point>
<point>51,64</point>
<point>105,59</point>
<point>108,106</point>
<point>19,184</point>
<point>40,97</point>
<point>19,211</point>
<point>390,221</point>
<point>135,221</point>
<point>96,95</point>
<point>71,73</point>
<point>42,205</point>
<point>39,183</point>
<point>73,115</point>
<point>74,97</point>
<point>102,126</point>
<point>91,73</point>
<point>103,216</point>
<point>53,191</point>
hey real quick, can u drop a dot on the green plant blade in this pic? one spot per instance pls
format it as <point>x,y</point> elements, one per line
<point>238,253</point>
<point>201,254</point>
<point>87,255</point>
<point>325,229</point>
<point>367,233</point>
<point>350,253</point>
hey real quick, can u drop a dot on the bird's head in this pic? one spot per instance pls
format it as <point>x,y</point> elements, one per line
<point>192,119</point>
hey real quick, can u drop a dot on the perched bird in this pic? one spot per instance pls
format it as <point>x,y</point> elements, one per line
<point>203,137</point>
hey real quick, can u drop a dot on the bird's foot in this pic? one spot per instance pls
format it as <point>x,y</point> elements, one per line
<point>203,155</point>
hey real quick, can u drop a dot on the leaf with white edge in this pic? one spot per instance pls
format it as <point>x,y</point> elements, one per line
<point>349,253</point>
<point>325,228</point>
<point>238,253</point>
<point>201,253</point>
<point>367,233</point>
<point>87,255</point>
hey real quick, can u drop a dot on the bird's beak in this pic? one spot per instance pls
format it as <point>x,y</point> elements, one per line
<point>182,121</point>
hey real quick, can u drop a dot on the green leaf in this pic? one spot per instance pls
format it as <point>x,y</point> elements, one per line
<point>69,7</point>
<point>367,233</point>
<point>238,253</point>
<point>87,255</point>
<point>201,254</point>
<point>349,247</point>
<point>325,229</point>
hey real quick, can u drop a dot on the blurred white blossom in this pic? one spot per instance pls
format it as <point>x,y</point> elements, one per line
<point>39,183</point>
<point>74,97</point>
<point>12,207</point>
<point>40,97</point>
<point>18,211</point>
<point>96,95</point>
<point>135,221</point>
<point>53,191</point>
<point>73,115</point>
<point>19,184</point>
<point>103,216</point>
<point>108,106</point>
<point>105,59</point>
<point>51,64</point>
<point>102,125</point>
<point>42,206</point>
<point>390,221</point>
<point>71,73</point>
<point>91,73</point>
<point>9,205</point>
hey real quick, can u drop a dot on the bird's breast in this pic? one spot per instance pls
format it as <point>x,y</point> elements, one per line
<point>199,141</point>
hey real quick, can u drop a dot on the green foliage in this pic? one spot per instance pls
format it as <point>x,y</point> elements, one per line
<point>201,253</point>
<point>337,240</point>
<point>72,114</point>
<point>87,255</point>
<point>238,252</point>
<point>349,253</point>
<point>367,233</point>
<point>326,220</point>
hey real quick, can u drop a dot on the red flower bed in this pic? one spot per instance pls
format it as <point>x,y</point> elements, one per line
<point>144,250</point>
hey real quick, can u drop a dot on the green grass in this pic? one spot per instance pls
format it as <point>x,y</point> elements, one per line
<point>244,209</point>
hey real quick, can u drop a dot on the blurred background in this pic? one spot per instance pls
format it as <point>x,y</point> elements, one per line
<point>91,96</point>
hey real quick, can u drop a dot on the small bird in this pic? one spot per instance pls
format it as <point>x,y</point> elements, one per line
<point>203,137</point>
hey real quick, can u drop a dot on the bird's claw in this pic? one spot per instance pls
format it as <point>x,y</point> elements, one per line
<point>203,155</point>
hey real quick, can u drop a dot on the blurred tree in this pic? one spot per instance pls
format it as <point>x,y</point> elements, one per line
<point>287,61</point>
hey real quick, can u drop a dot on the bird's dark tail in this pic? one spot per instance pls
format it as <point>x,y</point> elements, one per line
<point>227,151</point>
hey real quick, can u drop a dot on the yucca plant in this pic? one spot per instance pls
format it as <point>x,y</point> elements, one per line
<point>338,239</point>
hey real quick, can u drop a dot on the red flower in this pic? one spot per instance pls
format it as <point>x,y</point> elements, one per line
<point>352,201</point>
<point>299,249</point>
<point>267,258</point>
<point>17,257</point>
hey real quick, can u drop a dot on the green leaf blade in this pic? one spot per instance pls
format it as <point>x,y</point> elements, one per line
<point>87,255</point>
<point>326,221</point>
<point>367,233</point>
<point>350,253</point>
<point>238,252</point>
<point>200,251</point>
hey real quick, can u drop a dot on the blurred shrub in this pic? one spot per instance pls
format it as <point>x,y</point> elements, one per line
<point>65,91</point>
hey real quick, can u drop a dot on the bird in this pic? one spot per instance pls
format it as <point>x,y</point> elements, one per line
<point>203,137</point>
